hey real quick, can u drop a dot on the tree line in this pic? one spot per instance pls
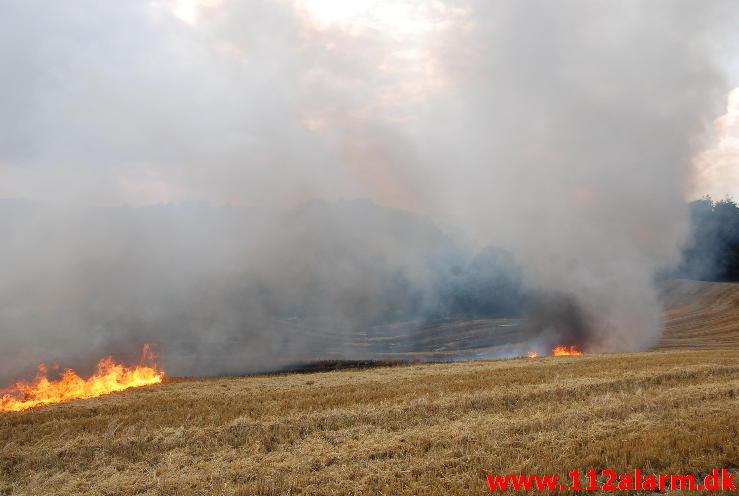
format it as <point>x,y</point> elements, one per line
<point>712,251</point>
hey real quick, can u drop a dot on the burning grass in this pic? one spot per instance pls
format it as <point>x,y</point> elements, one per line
<point>566,350</point>
<point>109,377</point>
<point>558,351</point>
<point>420,429</point>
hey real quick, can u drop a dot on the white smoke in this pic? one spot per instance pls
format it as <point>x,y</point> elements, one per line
<point>563,132</point>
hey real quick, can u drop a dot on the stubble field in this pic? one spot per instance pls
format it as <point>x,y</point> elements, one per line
<point>413,429</point>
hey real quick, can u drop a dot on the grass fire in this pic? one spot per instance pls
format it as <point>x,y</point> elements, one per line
<point>558,351</point>
<point>566,350</point>
<point>381,247</point>
<point>109,377</point>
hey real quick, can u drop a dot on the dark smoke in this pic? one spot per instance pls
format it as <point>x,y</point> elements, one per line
<point>556,319</point>
<point>232,290</point>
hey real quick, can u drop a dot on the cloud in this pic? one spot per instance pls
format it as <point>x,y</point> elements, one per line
<point>718,166</point>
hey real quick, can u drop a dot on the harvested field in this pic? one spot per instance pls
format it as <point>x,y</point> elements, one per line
<point>415,429</point>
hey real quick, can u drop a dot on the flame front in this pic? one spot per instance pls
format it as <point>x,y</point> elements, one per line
<point>566,350</point>
<point>558,351</point>
<point>108,378</point>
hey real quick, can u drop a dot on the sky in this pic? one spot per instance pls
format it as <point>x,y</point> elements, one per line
<point>100,97</point>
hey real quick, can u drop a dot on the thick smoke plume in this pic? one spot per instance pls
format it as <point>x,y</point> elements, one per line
<point>561,132</point>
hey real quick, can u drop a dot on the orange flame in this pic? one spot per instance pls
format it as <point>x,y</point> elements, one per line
<point>108,378</point>
<point>566,350</point>
<point>558,351</point>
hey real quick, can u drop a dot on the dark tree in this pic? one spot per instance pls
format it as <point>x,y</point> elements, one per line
<point>712,252</point>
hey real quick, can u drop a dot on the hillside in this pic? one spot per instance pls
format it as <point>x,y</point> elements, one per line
<point>698,315</point>
<point>420,429</point>
<point>701,315</point>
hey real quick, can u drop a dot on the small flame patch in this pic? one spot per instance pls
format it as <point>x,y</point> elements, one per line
<point>558,351</point>
<point>566,350</point>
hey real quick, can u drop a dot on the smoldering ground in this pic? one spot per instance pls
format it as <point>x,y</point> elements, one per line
<point>561,132</point>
